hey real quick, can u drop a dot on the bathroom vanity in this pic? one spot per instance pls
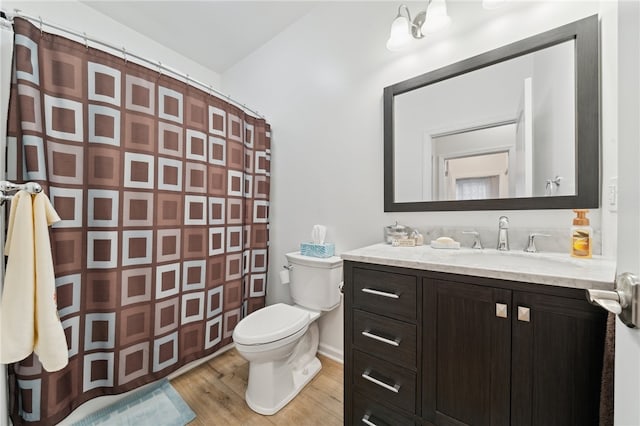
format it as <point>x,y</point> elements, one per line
<point>477,337</point>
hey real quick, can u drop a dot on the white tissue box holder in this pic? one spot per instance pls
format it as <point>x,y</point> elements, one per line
<point>317,250</point>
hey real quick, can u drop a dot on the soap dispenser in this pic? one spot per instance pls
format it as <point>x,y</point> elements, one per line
<point>581,235</point>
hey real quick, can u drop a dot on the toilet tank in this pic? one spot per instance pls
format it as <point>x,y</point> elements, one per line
<point>315,281</point>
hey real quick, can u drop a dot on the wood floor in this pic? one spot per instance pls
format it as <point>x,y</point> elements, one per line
<point>215,392</point>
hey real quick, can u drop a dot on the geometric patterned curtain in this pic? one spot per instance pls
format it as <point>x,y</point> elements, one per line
<point>163,191</point>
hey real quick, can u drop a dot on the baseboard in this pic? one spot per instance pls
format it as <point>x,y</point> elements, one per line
<point>331,352</point>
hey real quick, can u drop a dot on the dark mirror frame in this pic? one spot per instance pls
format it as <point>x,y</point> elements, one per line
<point>585,32</point>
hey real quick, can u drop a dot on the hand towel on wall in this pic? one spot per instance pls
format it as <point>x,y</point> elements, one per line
<point>28,315</point>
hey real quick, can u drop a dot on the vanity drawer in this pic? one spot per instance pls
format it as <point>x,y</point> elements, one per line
<point>368,412</point>
<point>386,338</point>
<point>385,293</point>
<point>384,381</point>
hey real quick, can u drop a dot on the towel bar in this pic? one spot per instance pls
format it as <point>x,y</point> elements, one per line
<point>6,186</point>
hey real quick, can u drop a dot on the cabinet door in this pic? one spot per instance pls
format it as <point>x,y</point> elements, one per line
<point>558,346</point>
<point>466,354</point>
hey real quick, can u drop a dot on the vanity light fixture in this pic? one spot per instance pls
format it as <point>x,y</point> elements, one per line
<point>404,30</point>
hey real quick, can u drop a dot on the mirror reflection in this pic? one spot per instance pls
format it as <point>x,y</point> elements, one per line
<point>503,131</point>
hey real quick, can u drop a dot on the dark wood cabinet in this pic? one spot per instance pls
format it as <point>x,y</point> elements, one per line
<point>430,348</point>
<point>467,353</point>
<point>382,364</point>
<point>557,359</point>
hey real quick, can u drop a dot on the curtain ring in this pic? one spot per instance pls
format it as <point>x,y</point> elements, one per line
<point>124,54</point>
<point>41,32</point>
<point>159,68</point>
<point>187,79</point>
<point>210,90</point>
<point>86,41</point>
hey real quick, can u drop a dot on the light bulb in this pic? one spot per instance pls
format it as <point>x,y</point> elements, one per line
<point>399,36</point>
<point>437,17</point>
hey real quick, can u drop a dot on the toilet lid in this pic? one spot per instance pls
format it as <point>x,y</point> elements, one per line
<point>270,324</point>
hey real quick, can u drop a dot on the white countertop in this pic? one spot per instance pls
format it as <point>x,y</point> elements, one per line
<point>555,269</point>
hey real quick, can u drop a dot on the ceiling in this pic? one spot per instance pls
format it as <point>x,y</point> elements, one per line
<point>226,31</point>
<point>218,34</point>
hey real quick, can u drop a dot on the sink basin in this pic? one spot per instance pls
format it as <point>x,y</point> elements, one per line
<point>509,260</point>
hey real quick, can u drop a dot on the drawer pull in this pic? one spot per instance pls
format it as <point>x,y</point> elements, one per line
<point>380,293</point>
<point>367,333</point>
<point>524,314</point>
<point>501,310</point>
<point>366,421</point>
<point>395,388</point>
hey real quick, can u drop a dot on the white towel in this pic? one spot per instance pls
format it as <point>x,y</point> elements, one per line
<point>28,314</point>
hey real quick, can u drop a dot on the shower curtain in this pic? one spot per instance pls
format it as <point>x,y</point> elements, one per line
<point>164,194</point>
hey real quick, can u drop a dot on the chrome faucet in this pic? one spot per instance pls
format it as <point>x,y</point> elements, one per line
<point>531,247</point>
<point>503,233</point>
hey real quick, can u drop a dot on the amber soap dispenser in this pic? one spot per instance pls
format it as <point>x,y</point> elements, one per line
<point>581,235</point>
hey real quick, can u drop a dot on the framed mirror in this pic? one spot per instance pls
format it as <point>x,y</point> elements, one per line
<point>514,128</point>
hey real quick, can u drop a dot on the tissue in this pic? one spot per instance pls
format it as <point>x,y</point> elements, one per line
<point>318,247</point>
<point>318,233</point>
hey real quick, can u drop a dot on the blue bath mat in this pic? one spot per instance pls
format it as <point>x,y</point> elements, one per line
<point>157,405</point>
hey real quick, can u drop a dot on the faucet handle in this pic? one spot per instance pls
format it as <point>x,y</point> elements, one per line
<point>531,246</point>
<point>477,244</point>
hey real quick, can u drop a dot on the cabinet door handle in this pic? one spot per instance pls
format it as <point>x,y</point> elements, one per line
<point>367,333</point>
<point>395,388</point>
<point>380,293</point>
<point>524,314</point>
<point>366,421</point>
<point>501,310</point>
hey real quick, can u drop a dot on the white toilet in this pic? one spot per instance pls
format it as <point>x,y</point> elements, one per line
<point>280,341</point>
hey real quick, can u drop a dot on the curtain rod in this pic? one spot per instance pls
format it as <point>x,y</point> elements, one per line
<point>126,54</point>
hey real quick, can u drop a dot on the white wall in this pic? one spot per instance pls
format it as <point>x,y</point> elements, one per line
<point>74,15</point>
<point>320,84</point>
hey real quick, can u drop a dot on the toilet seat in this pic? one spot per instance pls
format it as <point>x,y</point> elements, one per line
<point>270,324</point>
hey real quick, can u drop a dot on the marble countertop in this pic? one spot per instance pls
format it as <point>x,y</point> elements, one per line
<point>557,269</point>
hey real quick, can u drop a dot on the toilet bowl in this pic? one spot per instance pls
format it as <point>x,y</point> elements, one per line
<point>280,341</point>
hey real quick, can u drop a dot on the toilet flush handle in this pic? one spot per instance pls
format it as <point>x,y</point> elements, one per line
<point>288,267</point>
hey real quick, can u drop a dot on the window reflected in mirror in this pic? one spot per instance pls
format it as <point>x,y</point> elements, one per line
<point>476,177</point>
